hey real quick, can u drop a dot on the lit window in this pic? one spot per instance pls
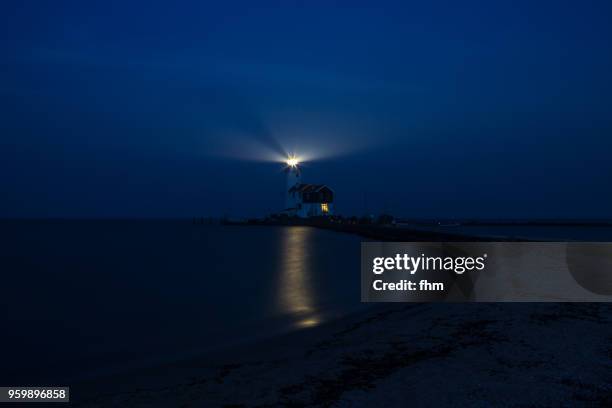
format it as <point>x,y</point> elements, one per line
<point>324,207</point>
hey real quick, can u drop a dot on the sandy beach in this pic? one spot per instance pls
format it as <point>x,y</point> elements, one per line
<point>399,355</point>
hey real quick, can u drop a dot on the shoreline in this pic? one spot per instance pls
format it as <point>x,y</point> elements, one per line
<point>378,232</point>
<point>412,233</point>
<point>382,355</point>
<point>179,369</point>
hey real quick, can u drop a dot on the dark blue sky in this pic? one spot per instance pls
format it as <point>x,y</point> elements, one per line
<point>441,109</point>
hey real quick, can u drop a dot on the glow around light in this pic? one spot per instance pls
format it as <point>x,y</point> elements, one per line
<point>292,161</point>
<point>276,137</point>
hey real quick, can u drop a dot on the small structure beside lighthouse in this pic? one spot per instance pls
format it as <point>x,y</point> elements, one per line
<point>306,200</point>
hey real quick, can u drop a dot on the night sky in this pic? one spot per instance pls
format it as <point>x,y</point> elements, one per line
<point>492,109</point>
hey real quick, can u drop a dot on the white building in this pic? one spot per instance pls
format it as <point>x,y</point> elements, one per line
<point>307,200</point>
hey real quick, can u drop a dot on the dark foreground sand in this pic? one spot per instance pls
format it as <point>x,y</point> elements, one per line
<point>510,355</point>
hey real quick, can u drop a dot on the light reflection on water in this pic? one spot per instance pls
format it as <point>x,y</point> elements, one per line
<point>238,283</point>
<point>296,296</point>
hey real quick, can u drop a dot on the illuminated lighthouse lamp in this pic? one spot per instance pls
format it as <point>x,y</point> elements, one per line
<point>303,199</point>
<point>292,161</point>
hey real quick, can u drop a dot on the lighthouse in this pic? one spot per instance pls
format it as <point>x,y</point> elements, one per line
<point>306,200</point>
<point>294,178</point>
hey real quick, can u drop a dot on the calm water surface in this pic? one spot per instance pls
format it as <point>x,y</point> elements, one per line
<point>82,297</point>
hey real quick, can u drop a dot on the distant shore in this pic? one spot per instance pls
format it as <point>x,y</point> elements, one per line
<point>405,230</point>
<point>372,231</point>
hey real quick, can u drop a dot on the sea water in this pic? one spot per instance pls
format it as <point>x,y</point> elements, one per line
<point>78,298</point>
